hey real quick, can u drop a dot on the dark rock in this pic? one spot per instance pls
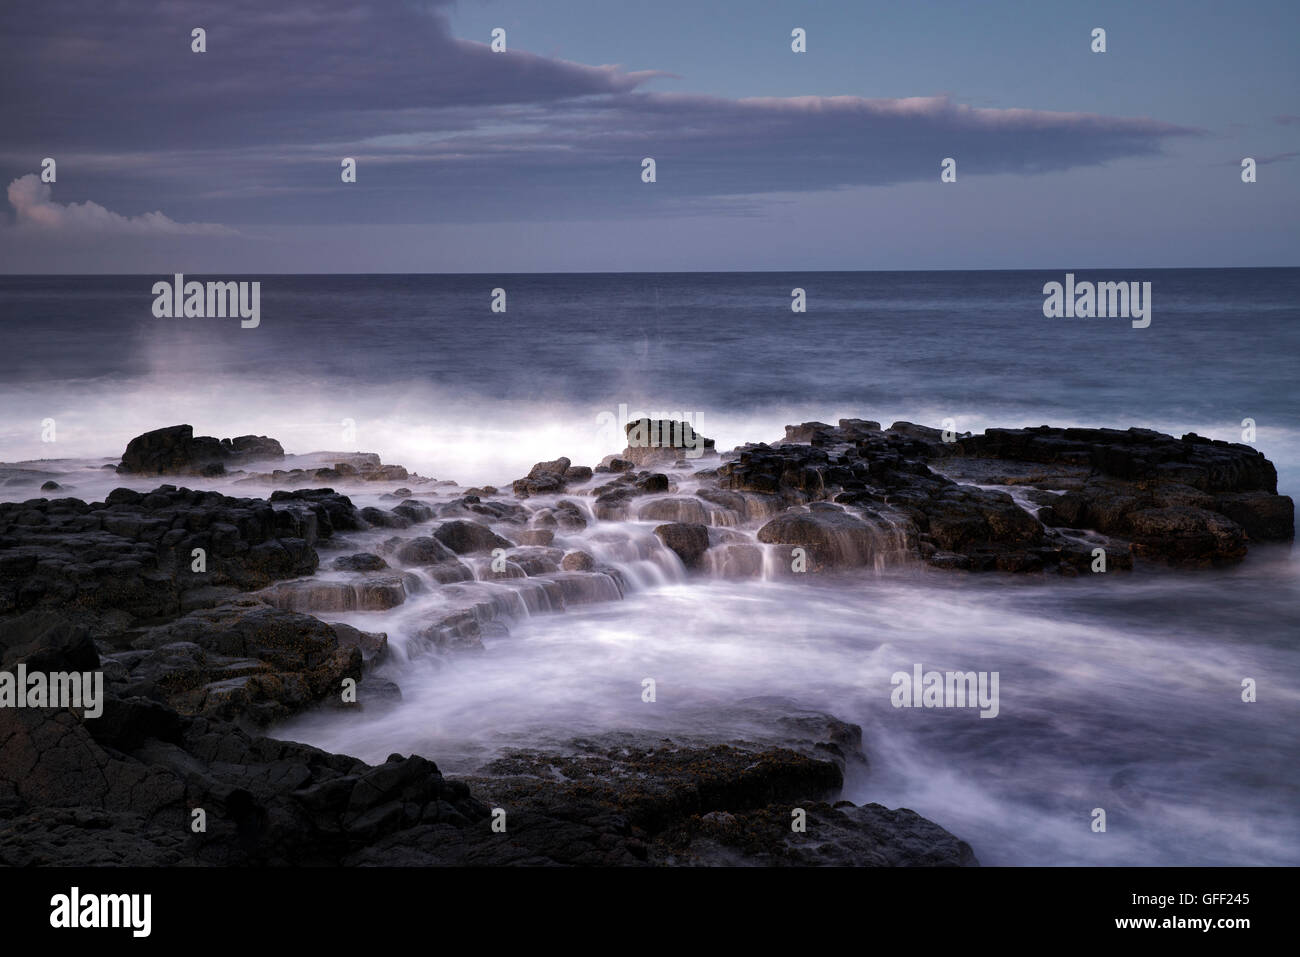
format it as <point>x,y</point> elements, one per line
<point>46,640</point>
<point>685,509</point>
<point>372,593</point>
<point>414,511</point>
<point>384,519</point>
<point>373,645</point>
<point>793,472</point>
<point>176,450</point>
<point>962,518</point>
<point>689,542</point>
<point>286,662</point>
<point>1121,484</point>
<point>1186,536</point>
<point>455,631</point>
<point>334,512</point>
<point>471,507</point>
<point>652,482</point>
<point>424,550</point>
<point>1211,466</point>
<point>1265,517</point>
<point>804,432</point>
<point>544,478</point>
<point>360,562</point>
<point>135,555</point>
<point>463,537</point>
<point>833,537</point>
<point>538,560</point>
<point>663,442</point>
<point>836,836</point>
<point>578,562</point>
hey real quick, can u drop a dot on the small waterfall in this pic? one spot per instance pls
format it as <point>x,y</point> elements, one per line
<point>324,595</point>
<point>832,537</point>
<point>454,604</point>
<point>686,509</point>
<point>776,561</point>
<point>636,552</point>
<point>736,560</point>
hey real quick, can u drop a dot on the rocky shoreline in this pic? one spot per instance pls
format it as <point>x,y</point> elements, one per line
<point>209,615</point>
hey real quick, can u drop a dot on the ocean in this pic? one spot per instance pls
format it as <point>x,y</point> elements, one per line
<point>1120,692</point>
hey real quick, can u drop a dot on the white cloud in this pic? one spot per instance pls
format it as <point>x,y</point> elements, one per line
<point>34,207</point>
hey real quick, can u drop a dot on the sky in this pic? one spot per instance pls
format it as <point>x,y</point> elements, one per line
<point>530,160</point>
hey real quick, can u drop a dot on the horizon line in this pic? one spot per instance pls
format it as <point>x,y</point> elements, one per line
<point>652,272</point>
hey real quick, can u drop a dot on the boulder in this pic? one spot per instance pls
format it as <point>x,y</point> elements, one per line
<point>544,478</point>
<point>834,538</point>
<point>578,562</point>
<point>663,442</point>
<point>360,562</point>
<point>688,542</point>
<point>176,450</point>
<point>464,537</point>
<point>424,550</point>
<point>242,660</point>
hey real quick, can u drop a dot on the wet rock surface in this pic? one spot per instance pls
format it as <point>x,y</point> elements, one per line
<point>148,556</point>
<point>1137,493</point>
<point>626,800</point>
<point>688,542</point>
<point>662,442</point>
<point>211,617</point>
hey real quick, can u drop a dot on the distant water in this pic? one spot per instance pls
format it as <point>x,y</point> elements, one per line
<point>1120,693</point>
<point>433,379</point>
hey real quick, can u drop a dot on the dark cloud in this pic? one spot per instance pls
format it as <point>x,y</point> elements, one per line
<point>580,158</point>
<point>444,130</point>
<point>82,74</point>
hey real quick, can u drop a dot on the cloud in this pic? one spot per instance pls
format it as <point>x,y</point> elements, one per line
<point>293,71</point>
<point>34,207</point>
<point>445,130</point>
<point>1275,158</point>
<point>1262,160</point>
<point>569,160</point>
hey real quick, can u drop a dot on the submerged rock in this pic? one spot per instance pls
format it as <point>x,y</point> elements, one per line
<point>463,537</point>
<point>360,562</point>
<point>424,550</point>
<point>833,537</point>
<point>578,562</point>
<point>688,542</point>
<point>366,594</point>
